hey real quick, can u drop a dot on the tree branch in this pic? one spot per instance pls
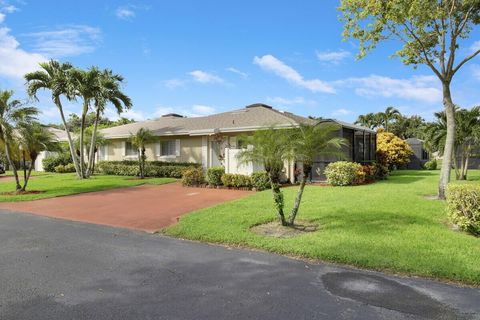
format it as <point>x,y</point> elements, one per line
<point>470,57</point>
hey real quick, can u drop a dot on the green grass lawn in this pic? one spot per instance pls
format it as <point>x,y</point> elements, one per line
<point>389,225</point>
<point>55,185</point>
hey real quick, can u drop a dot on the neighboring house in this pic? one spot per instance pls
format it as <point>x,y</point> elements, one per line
<point>420,155</point>
<point>215,140</point>
<point>60,136</point>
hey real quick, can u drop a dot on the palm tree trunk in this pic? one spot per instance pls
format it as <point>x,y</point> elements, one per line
<point>91,153</point>
<point>82,134</point>
<point>467,160</point>
<point>277,197</point>
<point>10,162</point>
<point>449,141</point>
<point>27,178</point>
<point>298,199</point>
<point>69,137</point>
<point>140,166</point>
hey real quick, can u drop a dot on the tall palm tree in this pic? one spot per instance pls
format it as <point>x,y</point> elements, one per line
<point>467,127</point>
<point>109,92</point>
<point>307,143</point>
<point>55,77</point>
<point>140,140</point>
<point>367,120</point>
<point>12,112</point>
<point>33,139</point>
<point>388,115</point>
<point>270,147</point>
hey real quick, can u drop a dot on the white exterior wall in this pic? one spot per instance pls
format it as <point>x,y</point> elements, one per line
<point>38,166</point>
<point>232,165</point>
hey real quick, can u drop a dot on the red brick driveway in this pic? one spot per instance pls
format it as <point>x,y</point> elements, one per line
<point>148,207</point>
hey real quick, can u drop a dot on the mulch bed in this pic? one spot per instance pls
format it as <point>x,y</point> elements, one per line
<point>276,230</point>
<point>138,178</point>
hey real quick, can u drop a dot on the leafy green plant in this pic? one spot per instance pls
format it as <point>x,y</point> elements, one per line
<point>430,165</point>
<point>343,173</point>
<point>131,168</point>
<point>236,180</point>
<point>69,167</point>
<point>193,177</point>
<point>51,162</point>
<point>260,180</point>
<point>214,175</point>
<point>463,206</point>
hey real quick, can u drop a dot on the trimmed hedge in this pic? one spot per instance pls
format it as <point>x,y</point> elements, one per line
<point>231,180</point>
<point>69,167</point>
<point>430,165</point>
<point>260,180</point>
<point>463,206</point>
<point>214,176</point>
<point>344,173</point>
<point>193,177</point>
<point>152,168</point>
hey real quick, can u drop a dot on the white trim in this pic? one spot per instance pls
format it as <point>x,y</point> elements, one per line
<point>177,147</point>
<point>124,148</point>
<point>158,147</point>
<point>205,152</point>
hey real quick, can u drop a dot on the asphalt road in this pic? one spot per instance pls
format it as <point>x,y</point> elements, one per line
<point>54,269</point>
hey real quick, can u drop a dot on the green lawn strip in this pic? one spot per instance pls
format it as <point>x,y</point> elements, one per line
<point>56,185</point>
<point>389,225</point>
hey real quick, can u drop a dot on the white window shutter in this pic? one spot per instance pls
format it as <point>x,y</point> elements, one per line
<point>158,151</point>
<point>177,147</point>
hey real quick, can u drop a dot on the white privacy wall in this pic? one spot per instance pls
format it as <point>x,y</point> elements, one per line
<point>232,165</point>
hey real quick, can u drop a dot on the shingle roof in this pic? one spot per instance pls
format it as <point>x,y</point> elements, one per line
<point>249,118</point>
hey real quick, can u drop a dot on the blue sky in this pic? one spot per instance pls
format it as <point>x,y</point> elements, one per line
<point>202,57</point>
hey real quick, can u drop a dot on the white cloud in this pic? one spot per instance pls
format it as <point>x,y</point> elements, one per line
<point>196,110</point>
<point>293,101</point>
<point>9,8</point>
<point>19,60</point>
<point>240,73</point>
<point>125,13</point>
<point>205,77</point>
<point>476,71</point>
<point>69,41</point>
<point>202,109</point>
<point>175,83</point>
<point>475,46</point>
<point>420,88</point>
<point>341,112</point>
<point>272,64</point>
<point>334,57</point>
<point>2,17</point>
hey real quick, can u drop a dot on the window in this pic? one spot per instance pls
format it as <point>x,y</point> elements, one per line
<point>168,148</point>
<point>130,150</point>
<point>102,153</point>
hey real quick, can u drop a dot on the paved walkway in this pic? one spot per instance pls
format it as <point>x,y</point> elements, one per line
<point>147,208</point>
<point>54,269</point>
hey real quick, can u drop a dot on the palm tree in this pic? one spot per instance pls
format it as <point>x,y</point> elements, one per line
<point>309,142</point>
<point>389,114</point>
<point>467,125</point>
<point>140,140</point>
<point>367,120</point>
<point>270,147</point>
<point>56,77</point>
<point>12,112</point>
<point>109,92</point>
<point>34,138</point>
<point>86,85</point>
<point>99,141</point>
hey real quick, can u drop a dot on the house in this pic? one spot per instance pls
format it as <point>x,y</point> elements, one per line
<point>216,139</point>
<point>59,136</point>
<point>419,156</point>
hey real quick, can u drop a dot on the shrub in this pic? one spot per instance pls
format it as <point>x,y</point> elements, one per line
<point>260,180</point>
<point>343,173</point>
<point>370,171</point>
<point>392,151</point>
<point>69,167</point>
<point>463,206</point>
<point>214,175</point>
<point>55,160</point>
<point>152,168</point>
<point>193,177</point>
<point>430,165</point>
<point>236,180</point>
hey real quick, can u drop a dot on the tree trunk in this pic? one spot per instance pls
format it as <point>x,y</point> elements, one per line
<point>91,153</point>
<point>277,197</point>
<point>298,199</point>
<point>82,133</point>
<point>467,160</point>
<point>27,178</point>
<point>449,141</point>
<point>10,162</point>
<point>140,163</point>
<point>69,137</point>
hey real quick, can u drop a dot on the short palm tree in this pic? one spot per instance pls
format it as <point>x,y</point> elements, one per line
<point>139,141</point>
<point>12,112</point>
<point>34,138</point>
<point>109,92</point>
<point>367,120</point>
<point>388,115</point>
<point>270,147</point>
<point>55,77</point>
<point>308,142</point>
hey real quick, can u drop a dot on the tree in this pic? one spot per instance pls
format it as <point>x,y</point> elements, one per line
<point>140,140</point>
<point>391,150</point>
<point>99,142</point>
<point>56,77</point>
<point>430,31</point>
<point>109,92</point>
<point>309,141</point>
<point>270,147</point>
<point>408,127</point>
<point>368,120</point>
<point>387,116</point>
<point>34,138</point>
<point>12,112</point>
